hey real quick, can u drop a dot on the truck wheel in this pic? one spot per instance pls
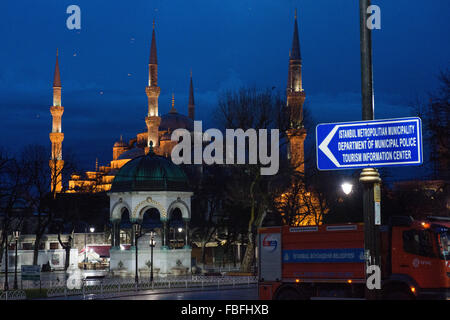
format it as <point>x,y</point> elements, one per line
<point>399,295</point>
<point>289,294</point>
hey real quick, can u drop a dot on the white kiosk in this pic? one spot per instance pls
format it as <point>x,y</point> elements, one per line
<point>150,194</point>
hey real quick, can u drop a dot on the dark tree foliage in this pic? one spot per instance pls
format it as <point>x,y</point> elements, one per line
<point>435,114</point>
<point>437,122</point>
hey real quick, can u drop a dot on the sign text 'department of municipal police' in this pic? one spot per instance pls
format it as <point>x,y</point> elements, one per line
<point>376,143</point>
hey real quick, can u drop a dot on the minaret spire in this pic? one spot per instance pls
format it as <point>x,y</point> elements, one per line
<point>152,90</point>
<point>295,61</point>
<point>56,136</point>
<point>295,100</point>
<point>56,77</point>
<point>295,92</point>
<point>191,104</point>
<point>173,110</point>
<point>295,51</point>
<point>153,55</point>
<point>56,83</point>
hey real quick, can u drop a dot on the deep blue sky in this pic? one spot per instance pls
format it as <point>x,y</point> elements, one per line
<point>227,44</point>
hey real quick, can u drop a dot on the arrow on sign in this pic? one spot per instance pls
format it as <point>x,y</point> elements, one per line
<point>324,147</point>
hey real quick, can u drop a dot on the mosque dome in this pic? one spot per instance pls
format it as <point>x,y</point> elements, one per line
<point>131,154</point>
<point>174,120</point>
<point>150,173</point>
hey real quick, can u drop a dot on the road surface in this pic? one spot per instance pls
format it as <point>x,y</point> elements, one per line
<point>245,293</point>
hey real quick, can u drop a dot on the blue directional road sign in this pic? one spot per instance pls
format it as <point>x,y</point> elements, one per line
<point>376,143</point>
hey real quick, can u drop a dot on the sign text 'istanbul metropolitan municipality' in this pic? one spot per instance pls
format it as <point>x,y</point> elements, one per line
<point>376,143</point>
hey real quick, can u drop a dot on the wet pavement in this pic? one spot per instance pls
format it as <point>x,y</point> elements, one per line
<point>243,293</point>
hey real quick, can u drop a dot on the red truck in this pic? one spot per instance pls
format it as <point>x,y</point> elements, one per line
<point>328,260</point>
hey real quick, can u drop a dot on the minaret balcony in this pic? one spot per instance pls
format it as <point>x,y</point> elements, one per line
<point>56,111</point>
<point>56,137</point>
<point>296,98</point>
<point>153,121</point>
<point>152,91</point>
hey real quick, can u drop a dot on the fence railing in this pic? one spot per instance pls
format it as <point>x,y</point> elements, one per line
<point>219,267</point>
<point>36,284</point>
<point>13,295</point>
<point>112,287</point>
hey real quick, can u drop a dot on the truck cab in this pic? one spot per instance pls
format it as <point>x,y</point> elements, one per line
<point>328,260</point>
<point>417,258</point>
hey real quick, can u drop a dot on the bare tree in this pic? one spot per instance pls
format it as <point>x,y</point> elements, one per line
<point>250,108</point>
<point>206,208</point>
<point>67,246</point>
<point>435,114</point>
<point>13,189</point>
<point>43,177</point>
<point>437,120</point>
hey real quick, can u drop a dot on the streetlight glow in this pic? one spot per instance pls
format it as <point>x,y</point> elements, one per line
<point>347,188</point>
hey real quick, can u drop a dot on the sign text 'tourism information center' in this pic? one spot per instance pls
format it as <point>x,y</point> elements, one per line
<point>376,143</point>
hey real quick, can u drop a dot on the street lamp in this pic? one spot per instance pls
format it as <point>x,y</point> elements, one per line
<point>16,238</point>
<point>179,231</point>
<point>85,247</point>
<point>347,188</point>
<point>369,177</point>
<point>6,285</point>
<point>137,235</point>
<point>152,245</point>
<point>91,229</point>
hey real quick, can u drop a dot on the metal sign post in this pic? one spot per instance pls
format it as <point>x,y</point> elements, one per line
<point>368,176</point>
<point>369,144</point>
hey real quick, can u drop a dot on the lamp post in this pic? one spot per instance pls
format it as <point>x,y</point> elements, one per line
<point>180,230</point>
<point>16,237</point>
<point>91,229</point>
<point>6,285</point>
<point>152,245</point>
<point>174,238</point>
<point>137,235</point>
<point>186,234</point>
<point>85,247</point>
<point>369,177</point>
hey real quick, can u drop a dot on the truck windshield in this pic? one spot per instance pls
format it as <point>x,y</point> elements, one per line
<point>444,244</point>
